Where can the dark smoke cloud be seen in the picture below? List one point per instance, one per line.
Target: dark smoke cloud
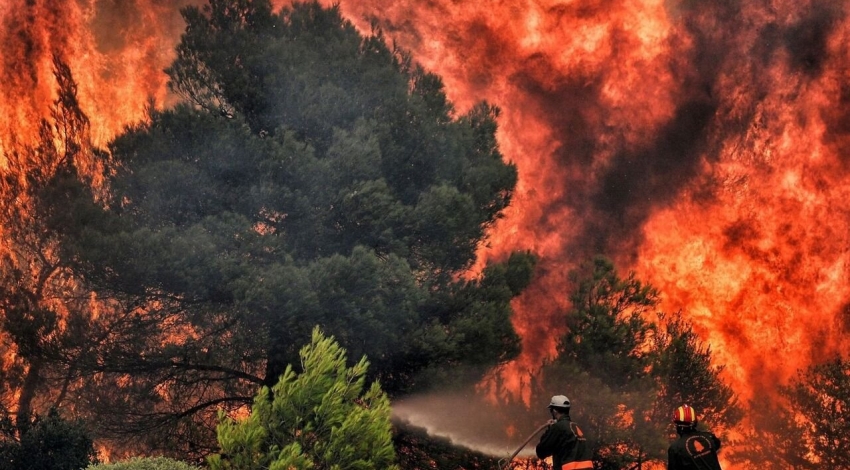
(806, 39)
(635, 182)
(639, 182)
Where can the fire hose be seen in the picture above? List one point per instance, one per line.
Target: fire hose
(504, 462)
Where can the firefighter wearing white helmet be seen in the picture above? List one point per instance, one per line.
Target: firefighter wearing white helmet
(563, 440)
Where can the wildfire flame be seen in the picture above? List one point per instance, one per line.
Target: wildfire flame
(115, 49)
(701, 144)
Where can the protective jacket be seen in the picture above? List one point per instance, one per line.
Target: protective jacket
(694, 450)
(567, 446)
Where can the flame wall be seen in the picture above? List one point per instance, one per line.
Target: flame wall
(116, 49)
(700, 143)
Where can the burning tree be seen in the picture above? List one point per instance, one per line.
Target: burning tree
(806, 426)
(821, 397)
(313, 176)
(626, 366)
(45, 312)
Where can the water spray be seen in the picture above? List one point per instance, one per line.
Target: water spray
(503, 463)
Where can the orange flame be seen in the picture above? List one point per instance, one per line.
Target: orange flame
(698, 143)
(701, 144)
(116, 51)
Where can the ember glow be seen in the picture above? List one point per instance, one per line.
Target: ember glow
(701, 144)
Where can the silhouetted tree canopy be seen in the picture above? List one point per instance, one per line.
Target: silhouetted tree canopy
(313, 176)
(806, 427)
(626, 366)
(48, 442)
(45, 314)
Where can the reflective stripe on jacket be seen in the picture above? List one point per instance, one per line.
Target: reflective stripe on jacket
(583, 465)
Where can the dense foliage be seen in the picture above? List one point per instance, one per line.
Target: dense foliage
(46, 443)
(44, 312)
(324, 417)
(625, 373)
(314, 176)
(144, 463)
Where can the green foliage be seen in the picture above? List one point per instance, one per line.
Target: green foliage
(313, 176)
(686, 374)
(306, 171)
(47, 443)
(627, 366)
(606, 329)
(402, 175)
(144, 463)
(323, 417)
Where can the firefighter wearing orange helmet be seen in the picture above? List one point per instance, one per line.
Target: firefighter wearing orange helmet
(693, 449)
(563, 440)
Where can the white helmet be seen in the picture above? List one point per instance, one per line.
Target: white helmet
(559, 401)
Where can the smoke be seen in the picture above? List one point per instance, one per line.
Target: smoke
(701, 144)
(467, 420)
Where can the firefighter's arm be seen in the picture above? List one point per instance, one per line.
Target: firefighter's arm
(715, 441)
(546, 446)
(671, 460)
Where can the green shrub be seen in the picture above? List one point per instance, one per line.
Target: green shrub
(145, 463)
(46, 443)
(323, 418)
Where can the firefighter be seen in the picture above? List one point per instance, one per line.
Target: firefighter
(693, 449)
(563, 440)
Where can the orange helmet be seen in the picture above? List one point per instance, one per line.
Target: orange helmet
(685, 415)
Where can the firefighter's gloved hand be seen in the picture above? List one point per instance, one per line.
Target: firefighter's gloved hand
(552, 421)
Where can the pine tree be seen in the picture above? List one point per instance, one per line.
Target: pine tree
(626, 365)
(319, 419)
